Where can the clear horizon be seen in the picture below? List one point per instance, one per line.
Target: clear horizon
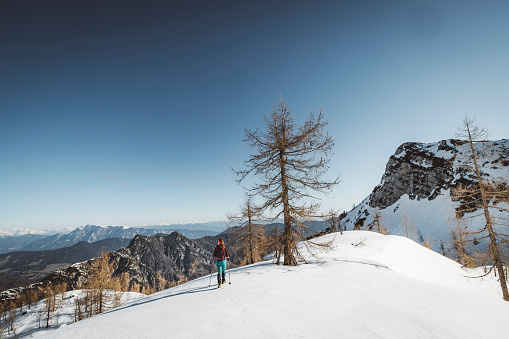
(133, 114)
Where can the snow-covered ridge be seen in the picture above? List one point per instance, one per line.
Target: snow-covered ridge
(214, 226)
(24, 231)
(93, 233)
(368, 286)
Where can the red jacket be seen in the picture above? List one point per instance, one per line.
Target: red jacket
(221, 253)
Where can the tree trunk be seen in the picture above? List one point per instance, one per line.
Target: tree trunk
(101, 301)
(250, 237)
(494, 247)
(287, 233)
(48, 315)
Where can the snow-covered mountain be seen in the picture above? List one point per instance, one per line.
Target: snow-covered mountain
(92, 233)
(417, 184)
(368, 286)
(217, 226)
(15, 232)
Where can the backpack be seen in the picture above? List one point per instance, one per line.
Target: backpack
(219, 253)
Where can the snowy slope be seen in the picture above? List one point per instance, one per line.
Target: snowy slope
(433, 218)
(28, 324)
(385, 287)
(417, 184)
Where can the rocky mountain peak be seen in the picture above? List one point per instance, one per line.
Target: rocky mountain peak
(416, 170)
(417, 184)
(424, 170)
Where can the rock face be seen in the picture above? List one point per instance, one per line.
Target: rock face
(173, 257)
(417, 171)
(420, 174)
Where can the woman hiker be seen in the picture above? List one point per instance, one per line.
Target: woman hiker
(221, 254)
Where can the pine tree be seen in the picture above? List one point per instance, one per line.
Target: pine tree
(290, 163)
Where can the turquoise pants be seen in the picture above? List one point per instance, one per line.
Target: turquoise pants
(221, 269)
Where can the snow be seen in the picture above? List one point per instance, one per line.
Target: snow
(434, 218)
(16, 232)
(368, 286)
(28, 324)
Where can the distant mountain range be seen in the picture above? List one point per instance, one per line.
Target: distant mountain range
(217, 226)
(30, 257)
(172, 256)
(22, 268)
(89, 233)
(15, 232)
(16, 243)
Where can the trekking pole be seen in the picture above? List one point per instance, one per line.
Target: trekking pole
(229, 278)
(210, 280)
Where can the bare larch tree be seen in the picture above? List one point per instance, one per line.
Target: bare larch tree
(407, 225)
(461, 243)
(249, 237)
(290, 163)
(378, 222)
(333, 220)
(484, 194)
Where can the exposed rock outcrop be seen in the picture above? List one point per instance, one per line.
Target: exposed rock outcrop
(420, 172)
(173, 257)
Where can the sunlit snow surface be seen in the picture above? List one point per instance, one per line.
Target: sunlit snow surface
(34, 320)
(385, 287)
(433, 218)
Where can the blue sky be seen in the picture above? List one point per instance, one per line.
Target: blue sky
(132, 112)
